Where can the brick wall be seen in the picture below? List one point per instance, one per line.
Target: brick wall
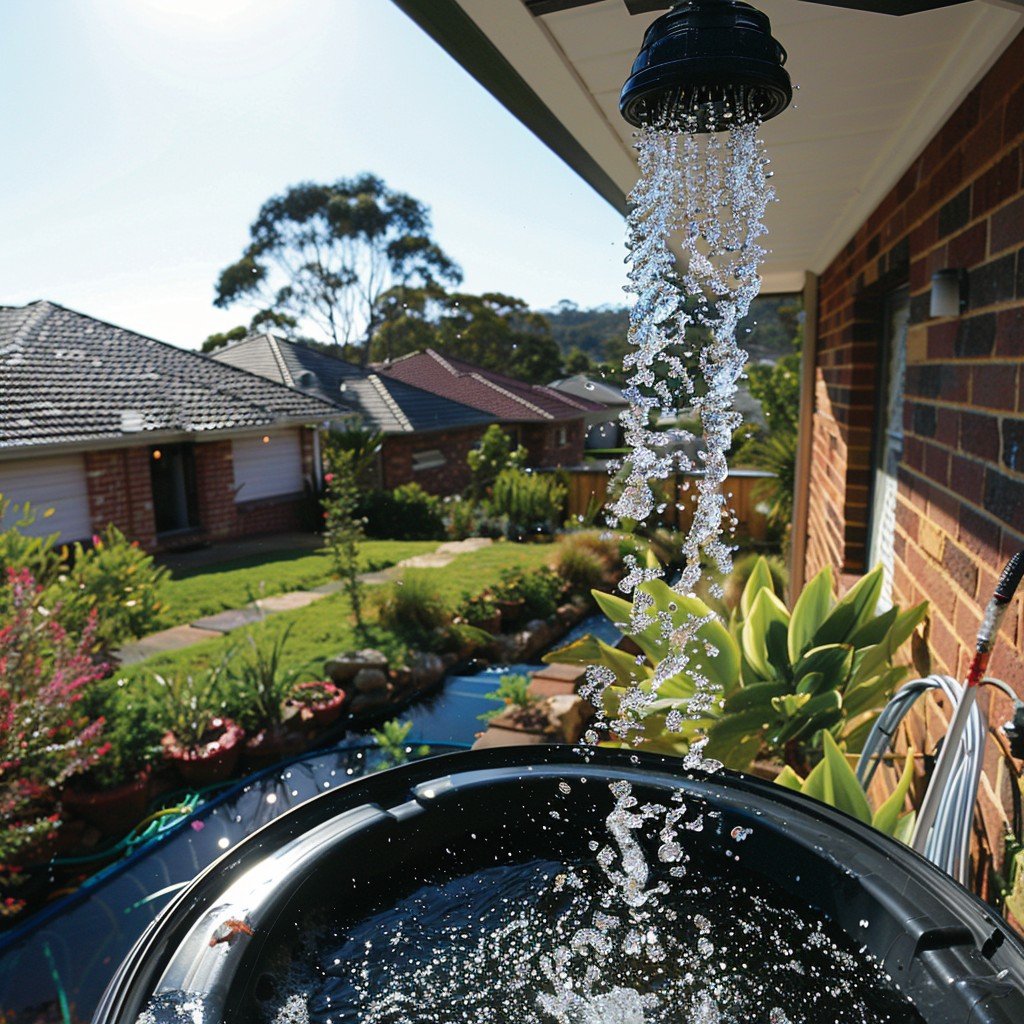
(543, 442)
(451, 478)
(960, 509)
(215, 490)
(273, 515)
(120, 493)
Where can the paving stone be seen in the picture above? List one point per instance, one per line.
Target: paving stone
(224, 622)
(495, 737)
(288, 602)
(543, 686)
(564, 673)
(174, 639)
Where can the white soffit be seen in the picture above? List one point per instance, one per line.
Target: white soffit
(873, 91)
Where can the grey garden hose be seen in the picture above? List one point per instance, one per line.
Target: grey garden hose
(949, 840)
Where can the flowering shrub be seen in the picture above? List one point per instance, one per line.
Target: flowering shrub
(115, 578)
(43, 742)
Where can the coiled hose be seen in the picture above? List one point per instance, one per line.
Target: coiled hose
(949, 842)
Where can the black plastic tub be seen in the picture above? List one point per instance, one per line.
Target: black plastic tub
(368, 844)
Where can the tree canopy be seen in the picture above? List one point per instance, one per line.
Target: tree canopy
(320, 257)
(493, 331)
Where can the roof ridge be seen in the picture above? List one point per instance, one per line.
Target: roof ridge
(44, 311)
(560, 396)
(390, 402)
(279, 359)
(511, 394)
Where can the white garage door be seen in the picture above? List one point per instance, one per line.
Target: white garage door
(57, 483)
(267, 465)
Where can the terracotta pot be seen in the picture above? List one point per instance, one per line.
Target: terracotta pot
(274, 744)
(492, 624)
(115, 810)
(214, 760)
(511, 613)
(318, 714)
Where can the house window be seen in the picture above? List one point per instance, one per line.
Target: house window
(172, 474)
(432, 458)
(888, 442)
(563, 436)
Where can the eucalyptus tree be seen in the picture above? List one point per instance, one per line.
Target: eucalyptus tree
(320, 256)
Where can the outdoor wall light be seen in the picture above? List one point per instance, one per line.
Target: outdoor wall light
(157, 454)
(266, 439)
(949, 293)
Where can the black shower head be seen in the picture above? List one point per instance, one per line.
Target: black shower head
(706, 65)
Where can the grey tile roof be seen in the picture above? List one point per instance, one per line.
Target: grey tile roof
(68, 378)
(385, 404)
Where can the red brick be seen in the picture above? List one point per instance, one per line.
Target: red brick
(996, 184)
(994, 386)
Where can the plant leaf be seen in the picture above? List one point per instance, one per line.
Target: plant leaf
(839, 785)
(833, 661)
(589, 650)
(736, 739)
(869, 661)
(766, 609)
(789, 778)
(852, 611)
(809, 612)
(760, 578)
(887, 816)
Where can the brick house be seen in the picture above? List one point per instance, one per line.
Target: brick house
(103, 425)
(900, 174)
(426, 436)
(550, 424)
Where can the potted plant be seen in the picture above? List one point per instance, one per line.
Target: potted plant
(114, 794)
(481, 611)
(263, 684)
(201, 743)
(316, 705)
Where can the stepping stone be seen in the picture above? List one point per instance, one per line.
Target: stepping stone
(564, 673)
(224, 622)
(173, 639)
(544, 686)
(288, 602)
(325, 589)
(495, 737)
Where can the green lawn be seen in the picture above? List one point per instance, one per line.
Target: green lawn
(206, 591)
(326, 627)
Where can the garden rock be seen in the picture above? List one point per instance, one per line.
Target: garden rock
(366, 703)
(567, 716)
(345, 667)
(370, 681)
(427, 669)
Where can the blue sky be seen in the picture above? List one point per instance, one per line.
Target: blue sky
(141, 136)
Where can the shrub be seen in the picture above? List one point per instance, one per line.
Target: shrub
(532, 502)
(512, 691)
(415, 612)
(131, 730)
(586, 561)
(116, 579)
(190, 702)
(45, 735)
(39, 556)
(461, 517)
(343, 530)
(492, 457)
(478, 610)
(406, 513)
(539, 590)
(261, 678)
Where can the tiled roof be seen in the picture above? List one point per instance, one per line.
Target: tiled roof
(502, 396)
(389, 405)
(68, 378)
(582, 386)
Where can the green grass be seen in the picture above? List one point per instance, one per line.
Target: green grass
(206, 591)
(326, 627)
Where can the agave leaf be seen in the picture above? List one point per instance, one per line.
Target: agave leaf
(856, 608)
(812, 683)
(833, 661)
(758, 696)
(875, 630)
(589, 650)
(871, 660)
(904, 830)
(736, 739)
(789, 778)
(873, 693)
(809, 612)
(834, 782)
(790, 705)
(760, 578)
(766, 609)
(887, 816)
(817, 713)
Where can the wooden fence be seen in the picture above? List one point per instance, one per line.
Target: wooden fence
(588, 488)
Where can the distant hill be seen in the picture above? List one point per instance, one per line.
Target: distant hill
(600, 332)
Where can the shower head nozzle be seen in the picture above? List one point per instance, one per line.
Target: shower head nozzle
(706, 65)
